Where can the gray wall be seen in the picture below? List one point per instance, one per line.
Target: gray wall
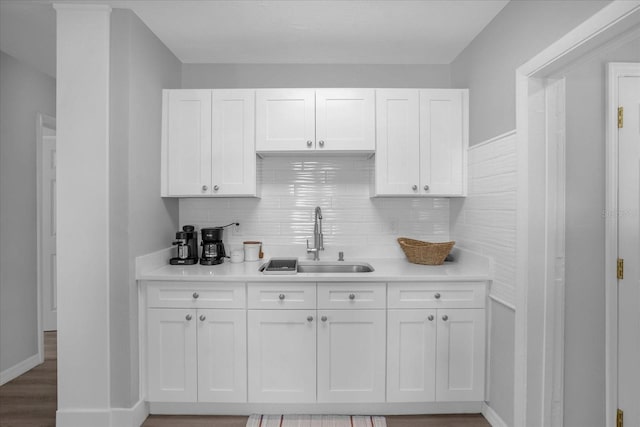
(320, 75)
(24, 92)
(585, 293)
(141, 222)
(487, 66)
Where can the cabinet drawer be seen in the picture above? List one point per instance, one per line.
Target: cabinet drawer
(436, 295)
(281, 296)
(195, 295)
(337, 295)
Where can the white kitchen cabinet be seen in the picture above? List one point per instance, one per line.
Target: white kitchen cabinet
(172, 359)
(435, 351)
(422, 137)
(282, 356)
(351, 355)
(208, 143)
(460, 355)
(196, 342)
(411, 355)
(315, 120)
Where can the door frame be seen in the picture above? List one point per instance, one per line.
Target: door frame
(43, 121)
(538, 379)
(615, 70)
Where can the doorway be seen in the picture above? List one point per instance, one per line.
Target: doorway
(46, 235)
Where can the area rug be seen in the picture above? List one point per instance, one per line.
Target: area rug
(257, 420)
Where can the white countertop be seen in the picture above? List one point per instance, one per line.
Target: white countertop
(467, 267)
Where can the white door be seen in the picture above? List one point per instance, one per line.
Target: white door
(629, 250)
(345, 119)
(460, 355)
(351, 355)
(172, 357)
(188, 142)
(398, 142)
(222, 356)
(411, 355)
(442, 141)
(285, 120)
(282, 356)
(233, 143)
(48, 232)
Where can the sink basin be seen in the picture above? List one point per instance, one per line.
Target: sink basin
(334, 267)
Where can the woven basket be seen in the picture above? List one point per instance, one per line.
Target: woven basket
(427, 253)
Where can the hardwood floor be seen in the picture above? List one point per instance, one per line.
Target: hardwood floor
(31, 400)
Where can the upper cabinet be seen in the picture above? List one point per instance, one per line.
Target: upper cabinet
(208, 143)
(315, 120)
(422, 138)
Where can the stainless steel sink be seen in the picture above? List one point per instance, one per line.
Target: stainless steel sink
(334, 267)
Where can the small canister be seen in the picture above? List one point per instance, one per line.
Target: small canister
(252, 250)
(237, 255)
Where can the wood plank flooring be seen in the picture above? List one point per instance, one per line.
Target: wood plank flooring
(31, 400)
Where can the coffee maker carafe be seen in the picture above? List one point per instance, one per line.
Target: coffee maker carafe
(186, 246)
(212, 247)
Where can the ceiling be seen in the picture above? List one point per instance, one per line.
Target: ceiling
(274, 31)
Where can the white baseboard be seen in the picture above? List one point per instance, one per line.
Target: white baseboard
(492, 416)
(130, 417)
(19, 369)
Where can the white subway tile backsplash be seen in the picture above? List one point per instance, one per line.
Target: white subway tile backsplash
(290, 190)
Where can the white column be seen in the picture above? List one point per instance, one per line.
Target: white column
(83, 214)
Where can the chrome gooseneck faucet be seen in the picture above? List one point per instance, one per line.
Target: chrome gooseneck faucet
(318, 244)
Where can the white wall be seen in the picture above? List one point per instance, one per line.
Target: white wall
(24, 93)
(195, 76)
(292, 187)
(487, 66)
(585, 189)
(140, 221)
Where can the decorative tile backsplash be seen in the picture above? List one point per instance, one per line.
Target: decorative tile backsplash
(291, 188)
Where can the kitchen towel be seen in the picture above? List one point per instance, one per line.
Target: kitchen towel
(256, 420)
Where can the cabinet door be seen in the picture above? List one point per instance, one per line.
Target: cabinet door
(351, 356)
(186, 163)
(282, 356)
(460, 355)
(411, 356)
(233, 146)
(285, 119)
(172, 359)
(345, 119)
(398, 142)
(442, 141)
(222, 356)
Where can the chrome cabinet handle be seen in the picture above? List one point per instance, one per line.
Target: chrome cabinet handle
(437, 296)
(430, 318)
(216, 188)
(321, 143)
(352, 296)
(426, 188)
(414, 187)
(205, 188)
(309, 318)
(196, 295)
(445, 317)
(203, 317)
(323, 318)
(309, 143)
(281, 296)
(188, 317)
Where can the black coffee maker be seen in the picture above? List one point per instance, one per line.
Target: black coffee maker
(212, 247)
(186, 246)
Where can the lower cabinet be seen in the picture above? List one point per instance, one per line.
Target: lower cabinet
(196, 355)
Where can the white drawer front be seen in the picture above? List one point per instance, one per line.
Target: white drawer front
(436, 295)
(341, 295)
(196, 295)
(281, 296)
